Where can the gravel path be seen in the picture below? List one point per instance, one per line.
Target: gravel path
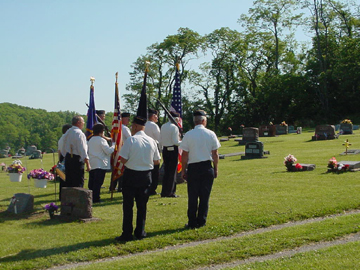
(285, 253)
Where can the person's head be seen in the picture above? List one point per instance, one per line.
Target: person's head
(153, 115)
(98, 130)
(65, 128)
(138, 124)
(101, 114)
(78, 121)
(125, 118)
(199, 117)
(175, 115)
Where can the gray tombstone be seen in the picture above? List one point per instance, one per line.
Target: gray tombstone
(291, 129)
(250, 134)
(20, 203)
(254, 150)
(76, 203)
(353, 165)
(324, 132)
(281, 130)
(346, 128)
(30, 149)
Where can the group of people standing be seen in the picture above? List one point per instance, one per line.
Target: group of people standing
(140, 154)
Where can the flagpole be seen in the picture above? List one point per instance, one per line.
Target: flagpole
(113, 140)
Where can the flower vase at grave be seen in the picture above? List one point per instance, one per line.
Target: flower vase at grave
(15, 177)
(51, 214)
(40, 183)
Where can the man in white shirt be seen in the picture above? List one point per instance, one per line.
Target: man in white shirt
(153, 130)
(75, 149)
(139, 154)
(61, 155)
(99, 157)
(200, 149)
(170, 140)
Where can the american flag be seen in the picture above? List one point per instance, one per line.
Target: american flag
(176, 106)
(91, 119)
(116, 135)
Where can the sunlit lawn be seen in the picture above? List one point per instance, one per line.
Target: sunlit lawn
(248, 194)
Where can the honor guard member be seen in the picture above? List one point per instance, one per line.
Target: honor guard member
(125, 133)
(75, 149)
(99, 157)
(101, 119)
(170, 140)
(139, 154)
(153, 130)
(200, 151)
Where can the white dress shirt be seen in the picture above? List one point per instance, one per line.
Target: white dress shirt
(125, 132)
(152, 130)
(75, 143)
(99, 153)
(169, 135)
(140, 151)
(61, 144)
(199, 142)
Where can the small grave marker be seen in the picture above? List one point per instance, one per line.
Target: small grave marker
(254, 150)
(347, 145)
(20, 203)
(324, 132)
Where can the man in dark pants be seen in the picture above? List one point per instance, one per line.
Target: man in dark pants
(139, 154)
(170, 140)
(62, 156)
(200, 149)
(75, 149)
(153, 130)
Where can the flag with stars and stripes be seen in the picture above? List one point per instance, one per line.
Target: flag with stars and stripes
(176, 106)
(116, 135)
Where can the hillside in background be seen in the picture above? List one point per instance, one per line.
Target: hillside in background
(23, 126)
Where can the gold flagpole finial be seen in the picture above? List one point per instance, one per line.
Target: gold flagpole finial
(92, 80)
(116, 76)
(147, 63)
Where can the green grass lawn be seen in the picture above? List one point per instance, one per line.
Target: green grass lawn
(248, 194)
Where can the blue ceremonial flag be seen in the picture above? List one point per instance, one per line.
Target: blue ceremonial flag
(142, 109)
(91, 119)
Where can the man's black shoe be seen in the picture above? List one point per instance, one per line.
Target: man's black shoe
(122, 238)
(189, 227)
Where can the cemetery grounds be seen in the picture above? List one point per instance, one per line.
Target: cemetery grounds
(260, 217)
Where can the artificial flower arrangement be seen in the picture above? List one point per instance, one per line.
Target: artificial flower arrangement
(289, 162)
(40, 174)
(334, 166)
(16, 167)
(283, 123)
(346, 121)
(51, 208)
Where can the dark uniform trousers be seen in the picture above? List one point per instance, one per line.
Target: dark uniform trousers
(154, 179)
(199, 183)
(74, 171)
(135, 187)
(96, 180)
(170, 163)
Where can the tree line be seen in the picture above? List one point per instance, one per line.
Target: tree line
(262, 74)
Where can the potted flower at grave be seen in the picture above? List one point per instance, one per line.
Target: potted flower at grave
(346, 126)
(51, 208)
(15, 170)
(334, 166)
(40, 177)
(289, 162)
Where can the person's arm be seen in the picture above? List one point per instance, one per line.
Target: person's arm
(123, 160)
(215, 157)
(106, 148)
(175, 136)
(156, 162)
(88, 168)
(184, 163)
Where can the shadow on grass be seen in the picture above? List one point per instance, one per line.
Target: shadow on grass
(31, 254)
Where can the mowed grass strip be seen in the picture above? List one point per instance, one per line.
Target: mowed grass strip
(248, 194)
(225, 251)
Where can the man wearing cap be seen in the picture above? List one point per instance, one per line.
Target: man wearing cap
(75, 149)
(125, 133)
(170, 140)
(99, 156)
(139, 154)
(153, 130)
(200, 151)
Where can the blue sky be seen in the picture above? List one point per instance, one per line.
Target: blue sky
(50, 49)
